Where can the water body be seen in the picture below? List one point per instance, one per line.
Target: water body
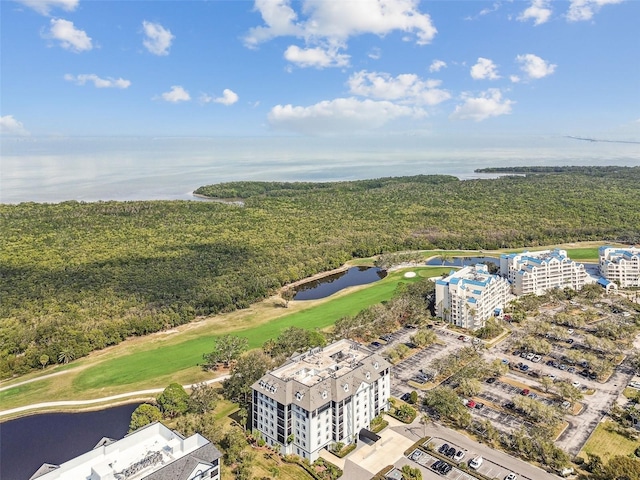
(26, 443)
(55, 169)
(325, 286)
(463, 261)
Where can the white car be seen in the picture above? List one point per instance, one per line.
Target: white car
(458, 456)
(570, 331)
(511, 476)
(530, 356)
(536, 358)
(476, 462)
(576, 384)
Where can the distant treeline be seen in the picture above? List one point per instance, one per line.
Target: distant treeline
(611, 171)
(76, 277)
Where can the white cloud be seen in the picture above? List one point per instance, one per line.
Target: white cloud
(329, 24)
(405, 88)
(514, 78)
(489, 104)
(375, 53)
(157, 38)
(97, 81)
(45, 6)
(341, 115)
(316, 57)
(176, 94)
(69, 36)
(11, 126)
(437, 65)
(534, 66)
(484, 69)
(229, 97)
(581, 10)
(539, 12)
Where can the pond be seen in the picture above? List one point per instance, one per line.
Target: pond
(325, 286)
(463, 261)
(26, 443)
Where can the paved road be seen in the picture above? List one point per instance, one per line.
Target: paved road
(93, 401)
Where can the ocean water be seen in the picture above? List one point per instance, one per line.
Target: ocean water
(37, 169)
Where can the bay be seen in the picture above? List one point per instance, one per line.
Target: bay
(56, 169)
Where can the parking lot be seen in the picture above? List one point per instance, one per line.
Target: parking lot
(487, 468)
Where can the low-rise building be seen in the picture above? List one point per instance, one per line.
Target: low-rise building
(620, 265)
(320, 397)
(539, 272)
(153, 452)
(470, 296)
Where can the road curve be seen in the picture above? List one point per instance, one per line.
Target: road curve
(93, 401)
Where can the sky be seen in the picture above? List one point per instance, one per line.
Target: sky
(364, 68)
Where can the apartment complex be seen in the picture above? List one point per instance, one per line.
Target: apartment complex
(620, 265)
(326, 395)
(539, 272)
(469, 297)
(153, 452)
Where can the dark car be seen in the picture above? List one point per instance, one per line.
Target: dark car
(446, 468)
(510, 405)
(437, 464)
(491, 380)
(479, 406)
(451, 452)
(405, 397)
(443, 448)
(376, 344)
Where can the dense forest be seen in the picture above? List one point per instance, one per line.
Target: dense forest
(76, 277)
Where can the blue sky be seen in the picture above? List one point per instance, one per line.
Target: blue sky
(320, 67)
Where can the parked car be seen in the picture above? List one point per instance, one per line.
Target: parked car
(376, 344)
(451, 452)
(446, 468)
(443, 448)
(479, 405)
(436, 465)
(536, 358)
(459, 456)
(471, 404)
(476, 462)
(525, 391)
(491, 380)
(530, 356)
(405, 397)
(511, 476)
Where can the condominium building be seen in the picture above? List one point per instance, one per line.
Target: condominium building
(326, 395)
(469, 297)
(620, 265)
(539, 272)
(153, 452)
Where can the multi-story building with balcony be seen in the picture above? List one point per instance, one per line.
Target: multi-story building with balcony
(469, 297)
(153, 452)
(539, 272)
(326, 395)
(620, 265)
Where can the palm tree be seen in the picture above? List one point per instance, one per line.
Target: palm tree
(65, 356)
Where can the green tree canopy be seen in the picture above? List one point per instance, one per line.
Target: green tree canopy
(144, 415)
(226, 349)
(173, 401)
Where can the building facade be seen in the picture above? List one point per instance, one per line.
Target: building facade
(321, 397)
(469, 297)
(620, 265)
(153, 452)
(539, 272)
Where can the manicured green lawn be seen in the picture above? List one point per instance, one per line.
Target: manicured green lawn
(606, 443)
(147, 365)
(583, 254)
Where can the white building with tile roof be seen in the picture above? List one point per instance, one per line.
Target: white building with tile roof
(470, 296)
(620, 265)
(326, 395)
(153, 452)
(539, 272)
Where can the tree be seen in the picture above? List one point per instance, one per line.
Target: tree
(619, 468)
(546, 383)
(446, 403)
(44, 359)
(65, 356)
(203, 398)
(411, 473)
(144, 415)
(246, 371)
(413, 397)
(173, 401)
(295, 339)
(233, 445)
(469, 387)
(226, 349)
(287, 295)
(424, 337)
